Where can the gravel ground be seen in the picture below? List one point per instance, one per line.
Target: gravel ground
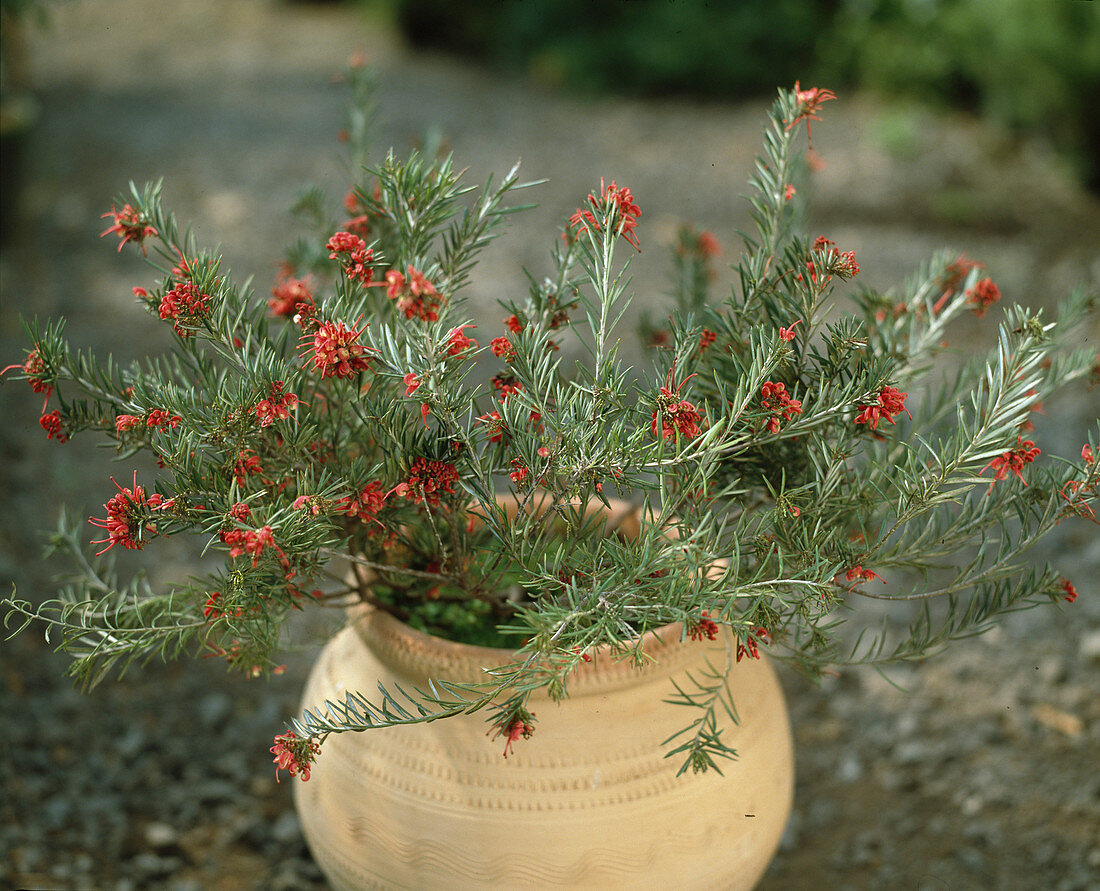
(977, 769)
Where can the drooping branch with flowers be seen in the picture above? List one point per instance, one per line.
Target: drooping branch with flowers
(784, 459)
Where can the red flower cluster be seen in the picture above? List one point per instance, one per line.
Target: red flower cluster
(352, 251)
(749, 647)
(33, 368)
(503, 348)
(494, 425)
(625, 213)
(246, 465)
(428, 481)
(457, 342)
(704, 627)
(513, 727)
(336, 349)
(416, 296)
(290, 294)
(891, 402)
(513, 324)
(706, 339)
(1013, 460)
(774, 398)
(506, 386)
(277, 406)
(858, 575)
(127, 516)
(129, 225)
(675, 415)
(366, 504)
(836, 263)
(53, 424)
(953, 275)
(982, 296)
(252, 542)
(186, 306)
(294, 755)
(519, 473)
(1070, 592)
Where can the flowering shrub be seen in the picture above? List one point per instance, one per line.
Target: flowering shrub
(780, 454)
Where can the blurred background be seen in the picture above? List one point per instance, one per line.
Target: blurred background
(967, 124)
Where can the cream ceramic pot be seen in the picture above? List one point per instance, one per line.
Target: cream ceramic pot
(588, 801)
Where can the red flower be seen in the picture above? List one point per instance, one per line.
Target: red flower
(704, 627)
(459, 342)
(1013, 460)
(1070, 591)
(624, 214)
(186, 306)
(677, 416)
(336, 349)
(127, 516)
(513, 324)
(982, 296)
(289, 294)
(788, 333)
(1086, 454)
(706, 339)
(126, 422)
(789, 192)
(707, 244)
(502, 347)
(366, 504)
(412, 382)
(240, 511)
(506, 386)
(494, 425)
(33, 368)
(519, 473)
(774, 398)
(158, 417)
(809, 103)
(413, 294)
(512, 727)
(891, 402)
(294, 755)
(53, 424)
(277, 407)
(352, 251)
(858, 575)
(428, 481)
(129, 225)
(247, 464)
(749, 646)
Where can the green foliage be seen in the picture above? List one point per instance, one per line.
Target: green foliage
(772, 469)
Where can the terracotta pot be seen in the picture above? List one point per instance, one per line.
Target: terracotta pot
(589, 800)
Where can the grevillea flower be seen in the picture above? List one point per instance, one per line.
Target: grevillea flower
(1070, 592)
(891, 402)
(127, 517)
(337, 351)
(953, 275)
(789, 192)
(412, 383)
(428, 481)
(352, 251)
(513, 324)
(706, 339)
(774, 398)
(748, 647)
(624, 217)
(809, 103)
(129, 225)
(676, 416)
(788, 333)
(294, 755)
(246, 465)
(54, 426)
(457, 342)
(240, 511)
(288, 293)
(503, 348)
(416, 297)
(366, 505)
(519, 473)
(34, 368)
(858, 575)
(277, 406)
(982, 296)
(186, 305)
(126, 422)
(494, 426)
(515, 724)
(704, 627)
(1013, 460)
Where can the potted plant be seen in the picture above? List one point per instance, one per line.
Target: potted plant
(546, 554)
